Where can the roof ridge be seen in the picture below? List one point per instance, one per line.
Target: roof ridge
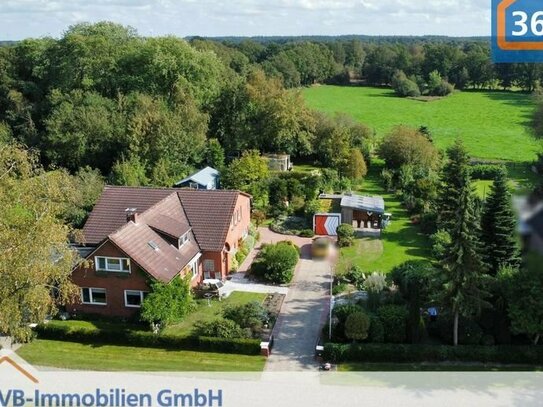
(141, 214)
(139, 187)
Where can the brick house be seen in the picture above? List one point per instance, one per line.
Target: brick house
(135, 236)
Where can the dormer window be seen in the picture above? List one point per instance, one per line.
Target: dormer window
(112, 264)
(183, 240)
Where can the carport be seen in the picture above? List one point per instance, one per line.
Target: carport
(363, 212)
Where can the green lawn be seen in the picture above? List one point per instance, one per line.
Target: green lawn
(400, 242)
(71, 355)
(205, 312)
(493, 125)
(482, 188)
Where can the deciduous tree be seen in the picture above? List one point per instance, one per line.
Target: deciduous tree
(36, 260)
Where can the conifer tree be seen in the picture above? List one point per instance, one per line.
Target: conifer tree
(462, 279)
(501, 248)
(452, 184)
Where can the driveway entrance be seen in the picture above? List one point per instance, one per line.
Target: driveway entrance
(302, 316)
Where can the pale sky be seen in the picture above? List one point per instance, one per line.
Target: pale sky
(37, 18)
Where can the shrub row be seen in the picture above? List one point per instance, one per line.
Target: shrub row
(401, 353)
(238, 346)
(485, 171)
(147, 339)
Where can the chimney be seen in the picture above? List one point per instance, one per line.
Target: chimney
(131, 215)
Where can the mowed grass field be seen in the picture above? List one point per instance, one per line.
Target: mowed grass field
(400, 241)
(494, 125)
(70, 355)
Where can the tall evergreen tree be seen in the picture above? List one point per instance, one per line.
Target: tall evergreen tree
(461, 283)
(499, 227)
(453, 182)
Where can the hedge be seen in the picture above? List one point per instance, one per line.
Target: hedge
(403, 353)
(485, 171)
(147, 339)
(238, 346)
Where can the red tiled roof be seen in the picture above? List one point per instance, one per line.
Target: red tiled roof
(109, 214)
(167, 216)
(209, 213)
(206, 215)
(154, 254)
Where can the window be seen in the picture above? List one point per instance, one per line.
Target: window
(133, 298)
(94, 296)
(115, 264)
(209, 265)
(183, 239)
(194, 268)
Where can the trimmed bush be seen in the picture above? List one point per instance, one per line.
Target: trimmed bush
(345, 235)
(394, 320)
(403, 353)
(357, 326)
(376, 333)
(276, 262)
(237, 346)
(341, 312)
(306, 233)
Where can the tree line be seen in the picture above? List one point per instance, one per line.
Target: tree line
(464, 63)
(147, 111)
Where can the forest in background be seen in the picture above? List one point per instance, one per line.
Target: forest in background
(105, 101)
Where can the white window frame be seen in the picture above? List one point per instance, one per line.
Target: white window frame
(111, 270)
(91, 296)
(193, 265)
(134, 292)
(183, 240)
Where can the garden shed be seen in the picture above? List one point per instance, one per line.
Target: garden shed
(278, 162)
(363, 212)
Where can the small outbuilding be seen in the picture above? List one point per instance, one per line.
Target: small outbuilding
(363, 212)
(278, 162)
(208, 178)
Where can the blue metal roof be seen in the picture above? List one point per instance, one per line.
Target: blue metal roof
(203, 177)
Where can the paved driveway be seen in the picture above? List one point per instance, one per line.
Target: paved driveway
(304, 311)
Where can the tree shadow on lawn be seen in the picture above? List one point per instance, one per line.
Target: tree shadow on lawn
(521, 173)
(517, 100)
